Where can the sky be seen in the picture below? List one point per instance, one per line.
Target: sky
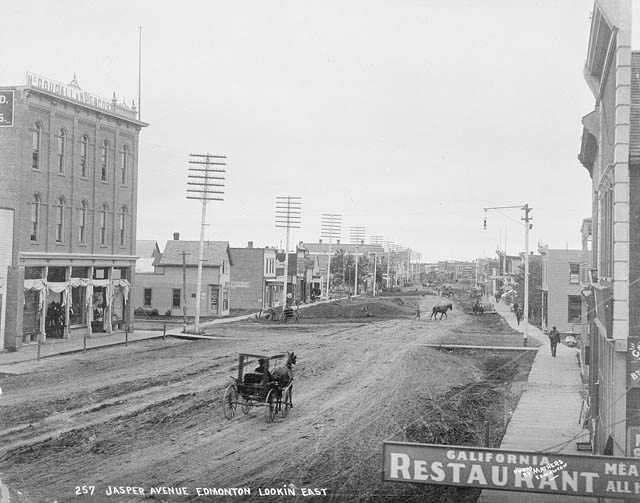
(405, 117)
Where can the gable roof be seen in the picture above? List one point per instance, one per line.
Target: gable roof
(214, 253)
(146, 248)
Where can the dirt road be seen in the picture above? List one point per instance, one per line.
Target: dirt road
(149, 416)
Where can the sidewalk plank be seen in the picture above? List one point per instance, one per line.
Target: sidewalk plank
(547, 416)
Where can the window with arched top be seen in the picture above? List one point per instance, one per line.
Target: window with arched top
(123, 225)
(59, 219)
(124, 164)
(35, 218)
(82, 222)
(102, 217)
(104, 158)
(84, 155)
(62, 147)
(36, 146)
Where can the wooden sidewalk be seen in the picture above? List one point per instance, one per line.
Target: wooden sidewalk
(547, 416)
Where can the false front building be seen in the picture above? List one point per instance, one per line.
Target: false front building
(68, 201)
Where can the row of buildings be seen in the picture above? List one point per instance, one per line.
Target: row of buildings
(252, 278)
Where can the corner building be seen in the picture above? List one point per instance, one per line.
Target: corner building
(68, 205)
(610, 153)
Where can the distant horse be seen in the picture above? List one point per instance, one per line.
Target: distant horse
(284, 375)
(442, 310)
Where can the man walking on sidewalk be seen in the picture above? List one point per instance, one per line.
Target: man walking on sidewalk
(554, 337)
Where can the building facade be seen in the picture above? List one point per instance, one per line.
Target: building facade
(254, 284)
(172, 286)
(68, 204)
(561, 290)
(609, 148)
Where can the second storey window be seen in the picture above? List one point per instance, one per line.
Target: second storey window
(59, 209)
(124, 161)
(37, 143)
(82, 223)
(606, 232)
(84, 154)
(103, 225)
(104, 158)
(35, 218)
(574, 273)
(62, 145)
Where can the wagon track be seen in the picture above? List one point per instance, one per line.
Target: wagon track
(159, 421)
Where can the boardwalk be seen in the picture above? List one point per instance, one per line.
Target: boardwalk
(547, 416)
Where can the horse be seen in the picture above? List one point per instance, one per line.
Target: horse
(442, 310)
(283, 375)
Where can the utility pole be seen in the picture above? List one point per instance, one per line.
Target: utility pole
(377, 241)
(184, 291)
(527, 227)
(204, 177)
(357, 237)
(331, 227)
(390, 247)
(288, 213)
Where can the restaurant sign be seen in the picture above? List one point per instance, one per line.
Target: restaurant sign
(534, 472)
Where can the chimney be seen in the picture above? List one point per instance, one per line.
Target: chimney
(250, 244)
(176, 236)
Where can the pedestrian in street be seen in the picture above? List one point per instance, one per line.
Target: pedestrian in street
(417, 312)
(554, 338)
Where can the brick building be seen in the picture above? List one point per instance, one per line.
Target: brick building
(610, 151)
(68, 203)
(254, 284)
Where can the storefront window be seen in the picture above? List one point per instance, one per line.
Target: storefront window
(78, 311)
(117, 305)
(33, 272)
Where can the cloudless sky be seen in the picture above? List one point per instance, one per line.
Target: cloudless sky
(406, 117)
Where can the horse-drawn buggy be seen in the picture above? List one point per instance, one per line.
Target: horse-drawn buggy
(478, 307)
(263, 387)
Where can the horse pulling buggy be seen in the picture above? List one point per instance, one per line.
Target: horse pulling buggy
(271, 389)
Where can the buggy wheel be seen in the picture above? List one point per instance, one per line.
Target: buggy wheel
(230, 401)
(285, 405)
(270, 406)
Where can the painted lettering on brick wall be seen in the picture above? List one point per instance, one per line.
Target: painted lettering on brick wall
(6, 108)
